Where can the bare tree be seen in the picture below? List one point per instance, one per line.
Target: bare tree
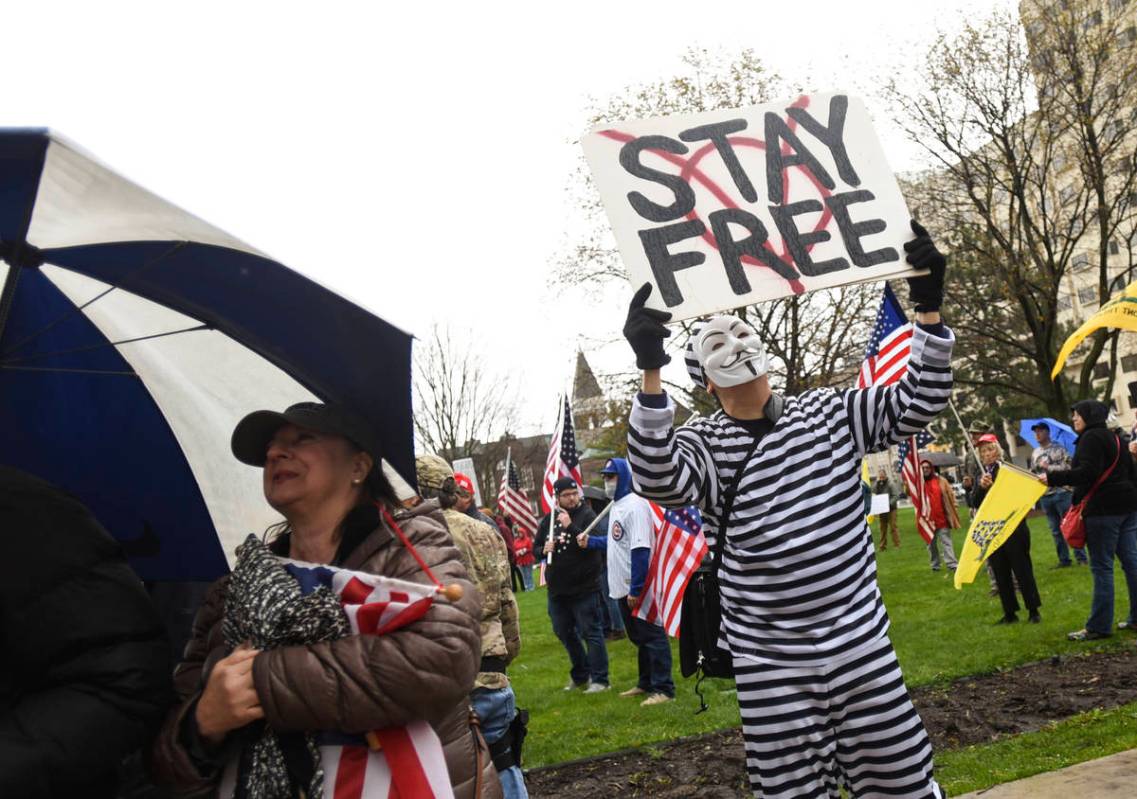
(1024, 182)
(461, 404)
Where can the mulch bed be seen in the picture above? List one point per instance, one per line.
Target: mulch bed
(973, 710)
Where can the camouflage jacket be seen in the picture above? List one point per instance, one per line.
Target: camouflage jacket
(487, 560)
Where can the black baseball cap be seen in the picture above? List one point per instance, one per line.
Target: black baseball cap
(564, 484)
(253, 433)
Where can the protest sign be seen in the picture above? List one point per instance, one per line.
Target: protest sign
(879, 505)
(466, 467)
(732, 207)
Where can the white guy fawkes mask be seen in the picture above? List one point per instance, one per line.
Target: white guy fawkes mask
(730, 352)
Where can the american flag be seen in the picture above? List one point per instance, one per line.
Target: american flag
(563, 460)
(397, 761)
(679, 549)
(511, 499)
(886, 356)
(913, 477)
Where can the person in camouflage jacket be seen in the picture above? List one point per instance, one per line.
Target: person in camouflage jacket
(487, 560)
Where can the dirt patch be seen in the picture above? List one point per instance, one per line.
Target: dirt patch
(971, 711)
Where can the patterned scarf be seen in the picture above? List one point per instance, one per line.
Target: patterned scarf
(265, 608)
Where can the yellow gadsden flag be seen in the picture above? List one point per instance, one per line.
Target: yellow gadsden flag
(1120, 311)
(1011, 496)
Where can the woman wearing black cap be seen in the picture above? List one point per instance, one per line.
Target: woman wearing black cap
(1102, 470)
(322, 473)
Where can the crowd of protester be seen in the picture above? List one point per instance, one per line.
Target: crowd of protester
(274, 675)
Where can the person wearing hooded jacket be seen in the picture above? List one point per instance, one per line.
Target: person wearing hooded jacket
(629, 542)
(1110, 514)
(85, 677)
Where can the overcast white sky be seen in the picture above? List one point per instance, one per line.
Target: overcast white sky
(413, 156)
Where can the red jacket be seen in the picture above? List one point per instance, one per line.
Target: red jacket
(523, 547)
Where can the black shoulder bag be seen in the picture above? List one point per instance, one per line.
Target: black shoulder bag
(701, 614)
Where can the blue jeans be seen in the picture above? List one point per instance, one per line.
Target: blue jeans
(526, 576)
(613, 621)
(575, 617)
(1105, 537)
(654, 651)
(496, 709)
(1055, 505)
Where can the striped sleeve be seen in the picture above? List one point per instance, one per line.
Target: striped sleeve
(670, 467)
(882, 415)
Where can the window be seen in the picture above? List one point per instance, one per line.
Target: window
(1128, 36)
(1113, 248)
(1101, 371)
(1064, 302)
(1059, 162)
(1091, 20)
(1129, 363)
(1122, 165)
(1132, 200)
(1117, 5)
(1088, 295)
(1066, 195)
(1080, 260)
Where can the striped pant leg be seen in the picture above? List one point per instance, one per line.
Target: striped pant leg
(882, 746)
(790, 747)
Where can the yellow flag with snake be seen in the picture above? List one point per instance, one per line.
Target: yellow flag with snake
(1011, 497)
(1120, 311)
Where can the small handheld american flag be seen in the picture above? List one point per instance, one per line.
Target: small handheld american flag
(678, 550)
(394, 762)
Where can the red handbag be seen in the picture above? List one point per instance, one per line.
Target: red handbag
(1073, 526)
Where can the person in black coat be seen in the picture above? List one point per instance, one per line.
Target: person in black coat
(1110, 514)
(573, 580)
(1013, 556)
(85, 672)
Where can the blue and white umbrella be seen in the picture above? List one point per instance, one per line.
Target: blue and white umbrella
(1060, 433)
(133, 337)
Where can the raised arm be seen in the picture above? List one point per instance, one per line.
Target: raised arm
(883, 415)
(670, 467)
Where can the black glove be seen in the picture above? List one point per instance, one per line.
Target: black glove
(927, 291)
(644, 330)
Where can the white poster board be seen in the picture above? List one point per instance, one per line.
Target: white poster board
(466, 467)
(728, 208)
(879, 505)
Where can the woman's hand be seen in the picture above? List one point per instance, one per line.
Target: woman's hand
(230, 699)
(1044, 479)
(985, 481)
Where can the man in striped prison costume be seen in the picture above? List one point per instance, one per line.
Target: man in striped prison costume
(822, 698)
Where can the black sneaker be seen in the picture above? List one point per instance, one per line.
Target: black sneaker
(1034, 617)
(1012, 619)
(1065, 565)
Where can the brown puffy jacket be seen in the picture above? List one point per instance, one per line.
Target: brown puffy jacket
(363, 682)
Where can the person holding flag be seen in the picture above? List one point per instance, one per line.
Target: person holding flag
(821, 695)
(629, 543)
(251, 720)
(1013, 555)
(573, 579)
